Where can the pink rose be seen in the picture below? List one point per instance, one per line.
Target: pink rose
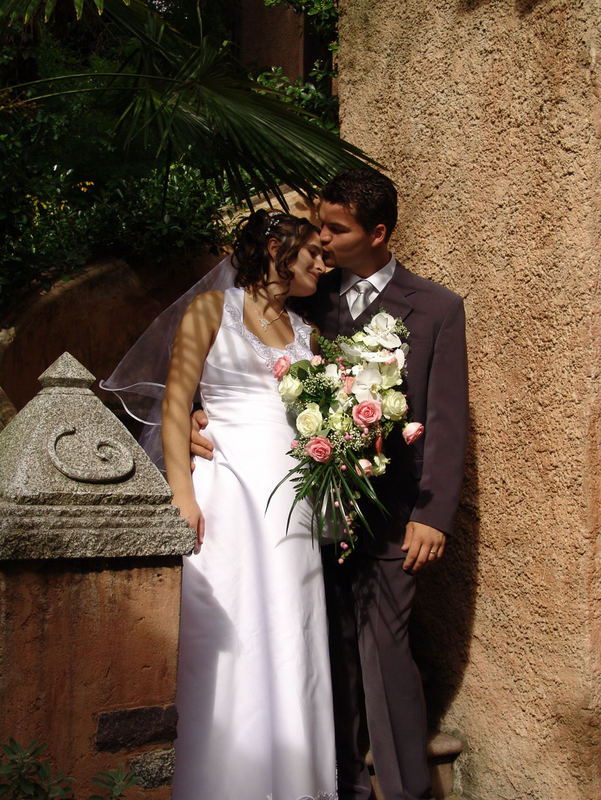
(316, 361)
(348, 384)
(367, 413)
(281, 367)
(412, 431)
(319, 448)
(293, 444)
(367, 468)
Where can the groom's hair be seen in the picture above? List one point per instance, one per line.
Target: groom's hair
(370, 196)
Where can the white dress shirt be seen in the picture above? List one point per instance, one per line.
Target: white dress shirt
(378, 280)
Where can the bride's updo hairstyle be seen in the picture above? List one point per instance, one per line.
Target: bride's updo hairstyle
(251, 258)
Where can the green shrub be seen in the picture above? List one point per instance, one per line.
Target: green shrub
(313, 95)
(24, 775)
(68, 191)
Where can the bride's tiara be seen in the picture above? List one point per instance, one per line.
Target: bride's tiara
(274, 221)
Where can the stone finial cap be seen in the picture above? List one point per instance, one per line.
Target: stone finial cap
(74, 483)
(66, 371)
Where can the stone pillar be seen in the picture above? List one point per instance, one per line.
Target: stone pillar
(488, 117)
(90, 576)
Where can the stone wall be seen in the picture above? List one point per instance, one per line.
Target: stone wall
(488, 117)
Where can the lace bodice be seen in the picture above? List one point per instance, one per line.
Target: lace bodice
(233, 311)
(238, 373)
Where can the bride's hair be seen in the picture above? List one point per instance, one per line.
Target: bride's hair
(251, 257)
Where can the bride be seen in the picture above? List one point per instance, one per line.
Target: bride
(254, 695)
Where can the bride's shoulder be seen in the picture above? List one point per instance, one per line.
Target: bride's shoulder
(204, 312)
(206, 303)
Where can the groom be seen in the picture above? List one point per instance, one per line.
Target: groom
(378, 698)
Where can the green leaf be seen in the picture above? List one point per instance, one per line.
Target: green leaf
(48, 9)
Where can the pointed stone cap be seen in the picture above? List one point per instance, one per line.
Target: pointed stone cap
(74, 483)
(66, 371)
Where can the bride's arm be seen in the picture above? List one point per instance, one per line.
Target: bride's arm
(193, 341)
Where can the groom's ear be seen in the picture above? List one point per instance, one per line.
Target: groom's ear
(378, 235)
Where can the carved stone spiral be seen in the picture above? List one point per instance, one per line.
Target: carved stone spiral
(113, 463)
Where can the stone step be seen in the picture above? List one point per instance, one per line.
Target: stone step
(443, 749)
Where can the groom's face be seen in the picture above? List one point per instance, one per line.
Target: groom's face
(345, 242)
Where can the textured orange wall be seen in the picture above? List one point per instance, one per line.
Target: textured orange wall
(488, 117)
(84, 637)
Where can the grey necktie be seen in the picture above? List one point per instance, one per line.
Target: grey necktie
(363, 291)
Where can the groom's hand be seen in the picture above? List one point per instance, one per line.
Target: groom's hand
(199, 444)
(423, 545)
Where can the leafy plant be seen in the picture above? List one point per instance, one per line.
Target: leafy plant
(313, 95)
(24, 775)
(121, 135)
(114, 782)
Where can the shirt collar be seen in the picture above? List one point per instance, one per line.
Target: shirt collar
(378, 280)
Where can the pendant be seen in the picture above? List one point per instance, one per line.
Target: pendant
(264, 323)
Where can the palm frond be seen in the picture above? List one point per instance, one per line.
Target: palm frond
(193, 101)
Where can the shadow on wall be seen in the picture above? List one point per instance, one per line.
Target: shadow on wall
(443, 614)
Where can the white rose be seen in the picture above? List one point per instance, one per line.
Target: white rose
(391, 375)
(379, 464)
(309, 421)
(340, 422)
(394, 405)
(381, 332)
(376, 356)
(290, 388)
(352, 352)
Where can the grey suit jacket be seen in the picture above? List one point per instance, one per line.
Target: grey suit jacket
(423, 480)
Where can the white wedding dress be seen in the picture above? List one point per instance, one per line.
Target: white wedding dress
(254, 695)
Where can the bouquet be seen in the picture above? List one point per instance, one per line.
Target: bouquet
(347, 401)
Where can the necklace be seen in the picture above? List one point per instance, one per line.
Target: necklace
(265, 323)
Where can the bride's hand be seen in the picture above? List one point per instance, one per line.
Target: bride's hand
(199, 444)
(190, 511)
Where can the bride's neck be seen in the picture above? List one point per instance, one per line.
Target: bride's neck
(268, 297)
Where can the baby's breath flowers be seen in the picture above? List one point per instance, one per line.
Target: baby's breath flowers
(346, 400)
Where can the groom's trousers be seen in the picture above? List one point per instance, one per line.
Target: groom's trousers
(378, 695)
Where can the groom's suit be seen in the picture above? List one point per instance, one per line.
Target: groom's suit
(370, 596)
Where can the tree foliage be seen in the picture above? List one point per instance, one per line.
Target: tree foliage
(191, 98)
(118, 133)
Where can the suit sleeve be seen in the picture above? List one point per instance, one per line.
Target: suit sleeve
(445, 425)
